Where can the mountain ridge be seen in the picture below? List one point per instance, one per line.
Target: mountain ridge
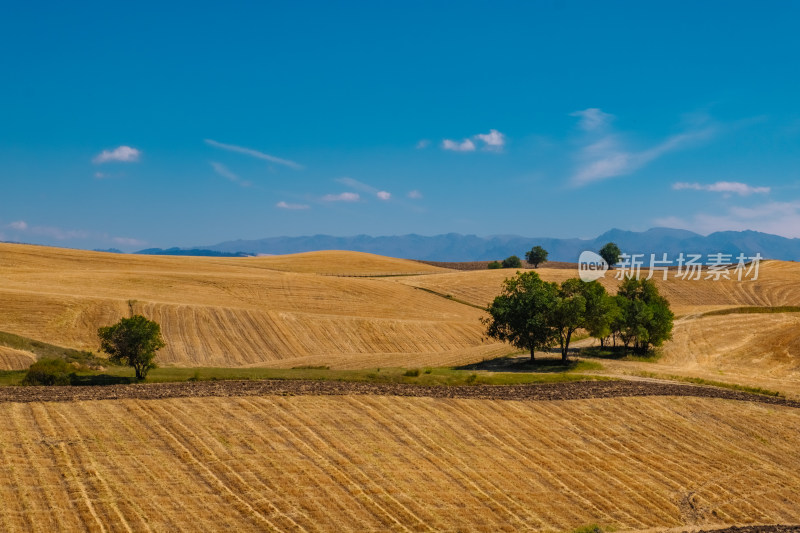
(470, 247)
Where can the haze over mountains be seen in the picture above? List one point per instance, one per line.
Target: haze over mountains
(458, 247)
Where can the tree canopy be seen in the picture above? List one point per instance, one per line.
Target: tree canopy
(520, 315)
(134, 342)
(512, 261)
(536, 256)
(610, 254)
(533, 314)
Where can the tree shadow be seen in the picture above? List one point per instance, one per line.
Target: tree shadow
(545, 363)
(100, 379)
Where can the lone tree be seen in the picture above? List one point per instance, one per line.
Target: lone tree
(132, 341)
(521, 313)
(536, 256)
(610, 253)
(512, 261)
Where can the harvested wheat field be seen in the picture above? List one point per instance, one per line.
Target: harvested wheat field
(751, 349)
(778, 284)
(241, 311)
(378, 463)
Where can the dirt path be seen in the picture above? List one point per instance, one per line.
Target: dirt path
(535, 392)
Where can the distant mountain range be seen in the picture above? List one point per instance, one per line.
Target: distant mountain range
(457, 247)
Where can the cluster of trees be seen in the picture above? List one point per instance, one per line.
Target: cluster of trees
(538, 255)
(533, 314)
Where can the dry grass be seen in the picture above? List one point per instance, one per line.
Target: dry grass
(13, 359)
(778, 284)
(241, 311)
(761, 350)
(361, 463)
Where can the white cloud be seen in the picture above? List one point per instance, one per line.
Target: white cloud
(415, 194)
(731, 187)
(423, 143)
(254, 153)
(127, 241)
(48, 231)
(604, 156)
(124, 154)
(286, 205)
(464, 146)
(494, 140)
(778, 218)
(223, 171)
(342, 197)
(592, 119)
(364, 187)
(100, 175)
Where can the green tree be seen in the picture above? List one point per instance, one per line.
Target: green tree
(569, 312)
(134, 342)
(495, 265)
(601, 311)
(512, 261)
(646, 319)
(521, 314)
(610, 253)
(536, 256)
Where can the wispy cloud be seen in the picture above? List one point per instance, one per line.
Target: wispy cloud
(423, 143)
(223, 171)
(123, 154)
(365, 188)
(286, 205)
(414, 195)
(128, 241)
(728, 187)
(603, 155)
(494, 141)
(464, 146)
(342, 197)
(592, 119)
(59, 234)
(254, 153)
(778, 218)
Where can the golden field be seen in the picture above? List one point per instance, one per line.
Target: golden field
(372, 463)
(320, 309)
(383, 463)
(240, 312)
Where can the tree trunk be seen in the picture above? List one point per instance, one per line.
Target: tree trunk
(565, 347)
(533, 358)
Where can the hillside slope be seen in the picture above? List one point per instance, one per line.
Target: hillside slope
(240, 311)
(382, 463)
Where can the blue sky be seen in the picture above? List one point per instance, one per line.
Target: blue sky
(132, 125)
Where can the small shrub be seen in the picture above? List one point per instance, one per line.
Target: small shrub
(494, 265)
(49, 372)
(412, 373)
(428, 370)
(472, 378)
(512, 261)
